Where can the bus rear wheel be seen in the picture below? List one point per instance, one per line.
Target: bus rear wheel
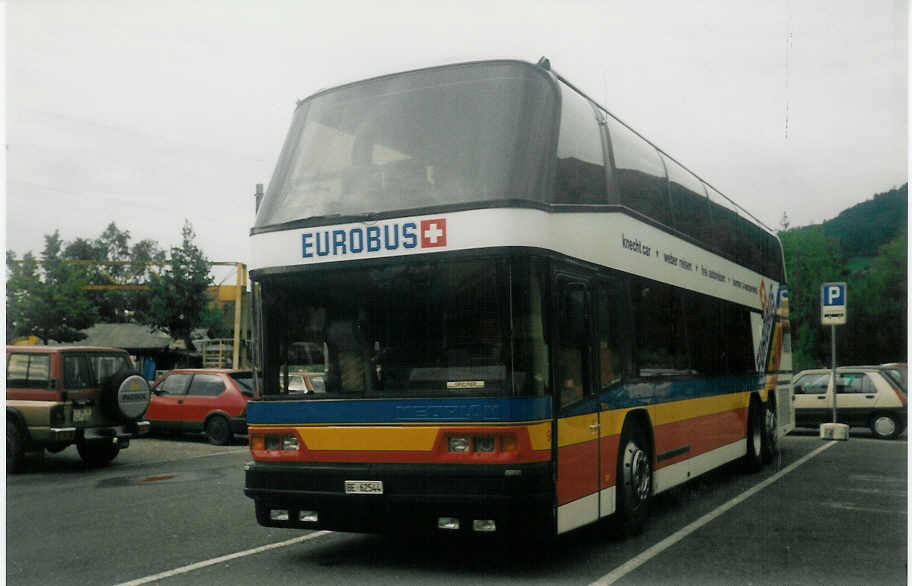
(770, 439)
(753, 459)
(634, 480)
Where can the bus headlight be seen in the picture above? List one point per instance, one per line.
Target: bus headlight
(458, 443)
(290, 442)
(484, 443)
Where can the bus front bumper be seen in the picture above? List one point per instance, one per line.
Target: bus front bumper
(415, 498)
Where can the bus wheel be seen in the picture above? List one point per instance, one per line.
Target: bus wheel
(770, 439)
(634, 475)
(753, 460)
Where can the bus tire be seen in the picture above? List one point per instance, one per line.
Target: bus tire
(753, 459)
(634, 479)
(770, 437)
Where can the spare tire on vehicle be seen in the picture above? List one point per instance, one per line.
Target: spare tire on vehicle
(126, 395)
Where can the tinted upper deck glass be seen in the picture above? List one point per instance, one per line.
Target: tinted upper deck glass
(457, 134)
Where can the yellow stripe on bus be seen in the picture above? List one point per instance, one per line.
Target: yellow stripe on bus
(676, 411)
(416, 438)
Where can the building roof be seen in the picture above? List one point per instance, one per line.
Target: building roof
(126, 336)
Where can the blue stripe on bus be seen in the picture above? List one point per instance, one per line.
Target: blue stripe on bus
(454, 410)
(647, 392)
(448, 410)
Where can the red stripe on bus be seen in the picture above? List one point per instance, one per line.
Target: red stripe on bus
(576, 471)
(700, 434)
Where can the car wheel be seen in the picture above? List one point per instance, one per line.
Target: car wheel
(634, 478)
(884, 426)
(218, 430)
(770, 439)
(753, 459)
(15, 447)
(97, 453)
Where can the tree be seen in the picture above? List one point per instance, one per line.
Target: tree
(875, 329)
(178, 299)
(136, 266)
(811, 259)
(47, 299)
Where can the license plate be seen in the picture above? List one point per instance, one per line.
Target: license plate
(363, 487)
(82, 414)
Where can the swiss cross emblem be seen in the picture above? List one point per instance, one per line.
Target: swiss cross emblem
(433, 233)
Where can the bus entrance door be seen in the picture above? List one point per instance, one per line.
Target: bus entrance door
(578, 417)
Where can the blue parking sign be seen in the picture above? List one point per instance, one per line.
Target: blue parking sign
(833, 304)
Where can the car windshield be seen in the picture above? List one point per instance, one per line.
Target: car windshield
(406, 328)
(450, 135)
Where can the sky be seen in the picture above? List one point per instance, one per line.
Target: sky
(147, 113)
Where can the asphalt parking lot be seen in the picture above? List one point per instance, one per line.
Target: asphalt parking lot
(825, 513)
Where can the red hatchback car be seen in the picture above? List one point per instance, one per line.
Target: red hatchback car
(213, 400)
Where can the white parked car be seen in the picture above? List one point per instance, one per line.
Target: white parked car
(866, 396)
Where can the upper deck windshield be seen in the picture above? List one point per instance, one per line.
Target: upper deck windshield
(449, 135)
(427, 329)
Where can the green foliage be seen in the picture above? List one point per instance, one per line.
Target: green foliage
(178, 299)
(865, 246)
(811, 258)
(47, 300)
(875, 330)
(113, 246)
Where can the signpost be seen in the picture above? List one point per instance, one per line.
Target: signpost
(833, 313)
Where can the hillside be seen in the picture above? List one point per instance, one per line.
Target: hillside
(863, 228)
(866, 246)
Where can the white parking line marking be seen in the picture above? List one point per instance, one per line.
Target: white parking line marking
(224, 558)
(674, 538)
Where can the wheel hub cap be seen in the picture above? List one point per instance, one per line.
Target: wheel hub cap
(637, 470)
(884, 426)
(771, 428)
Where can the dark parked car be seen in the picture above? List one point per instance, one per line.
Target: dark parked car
(62, 395)
(212, 400)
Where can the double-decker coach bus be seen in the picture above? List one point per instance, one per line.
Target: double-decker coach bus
(516, 313)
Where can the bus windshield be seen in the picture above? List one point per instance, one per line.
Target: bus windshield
(427, 329)
(451, 135)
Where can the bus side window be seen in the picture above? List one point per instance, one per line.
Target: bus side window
(580, 176)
